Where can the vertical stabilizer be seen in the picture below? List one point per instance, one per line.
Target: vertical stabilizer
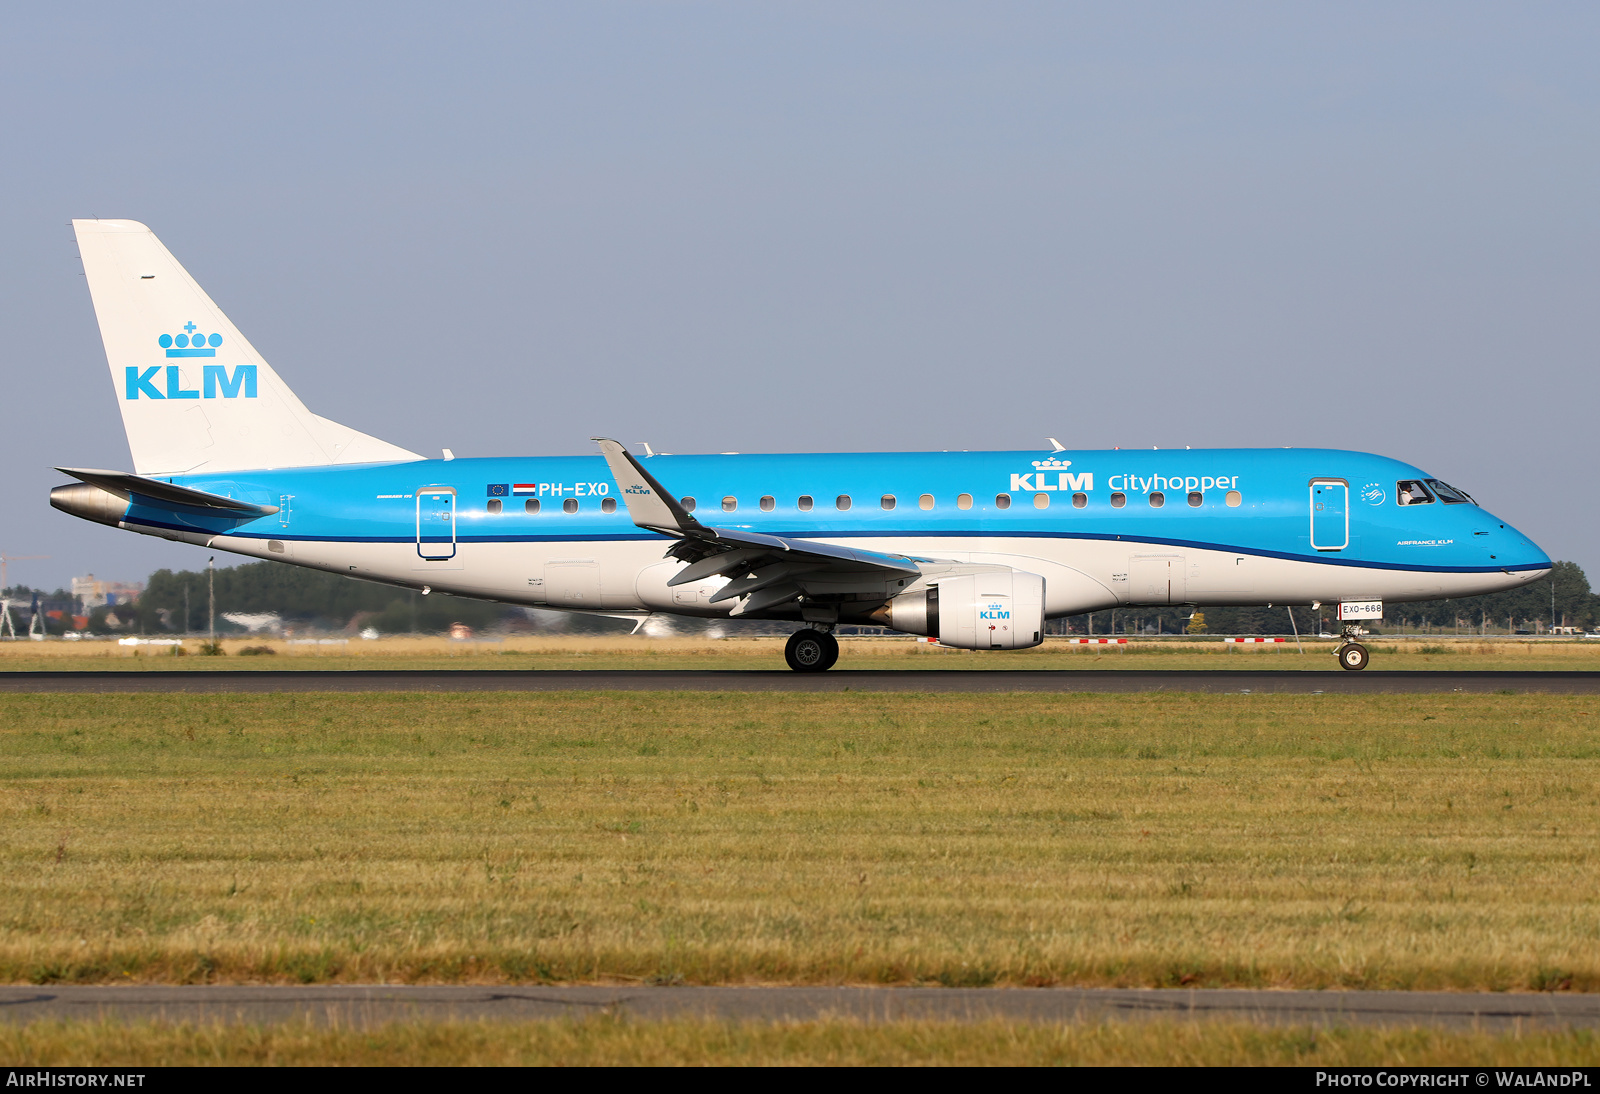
(195, 396)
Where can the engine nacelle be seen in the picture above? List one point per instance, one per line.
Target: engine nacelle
(992, 610)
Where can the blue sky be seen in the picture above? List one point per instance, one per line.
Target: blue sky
(503, 229)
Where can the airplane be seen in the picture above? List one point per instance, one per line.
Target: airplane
(975, 550)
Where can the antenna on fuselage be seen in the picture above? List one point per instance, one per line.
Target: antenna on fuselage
(1055, 445)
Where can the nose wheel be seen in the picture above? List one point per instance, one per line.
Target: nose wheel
(811, 651)
(1352, 656)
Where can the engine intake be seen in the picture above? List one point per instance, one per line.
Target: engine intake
(993, 610)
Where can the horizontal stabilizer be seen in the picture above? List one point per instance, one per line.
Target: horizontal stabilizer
(124, 484)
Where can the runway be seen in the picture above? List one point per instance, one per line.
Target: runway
(363, 1006)
(1224, 681)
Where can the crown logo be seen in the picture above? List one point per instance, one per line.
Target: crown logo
(1052, 464)
(190, 344)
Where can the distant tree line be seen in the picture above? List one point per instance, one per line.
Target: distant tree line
(177, 601)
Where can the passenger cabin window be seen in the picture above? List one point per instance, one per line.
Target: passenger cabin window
(570, 505)
(1118, 500)
(729, 504)
(609, 505)
(495, 505)
(687, 503)
(842, 501)
(1080, 500)
(1195, 498)
(886, 502)
(805, 503)
(530, 506)
(1041, 501)
(1002, 501)
(768, 503)
(1157, 499)
(1233, 498)
(1411, 492)
(964, 501)
(1449, 494)
(925, 502)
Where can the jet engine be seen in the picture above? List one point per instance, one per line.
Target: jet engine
(990, 610)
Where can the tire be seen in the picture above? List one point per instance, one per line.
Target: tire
(811, 651)
(1353, 656)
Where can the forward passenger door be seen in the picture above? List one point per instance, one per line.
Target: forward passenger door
(1330, 514)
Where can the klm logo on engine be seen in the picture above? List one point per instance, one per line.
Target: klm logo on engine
(216, 381)
(993, 611)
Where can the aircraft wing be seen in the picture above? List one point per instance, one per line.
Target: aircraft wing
(124, 484)
(767, 571)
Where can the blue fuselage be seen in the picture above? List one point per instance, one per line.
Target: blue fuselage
(1177, 499)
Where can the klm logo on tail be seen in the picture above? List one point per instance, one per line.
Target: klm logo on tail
(215, 380)
(189, 344)
(215, 383)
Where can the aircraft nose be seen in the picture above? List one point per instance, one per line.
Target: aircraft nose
(1520, 550)
(1508, 549)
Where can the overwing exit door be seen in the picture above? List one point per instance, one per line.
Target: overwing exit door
(436, 523)
(1330, 514)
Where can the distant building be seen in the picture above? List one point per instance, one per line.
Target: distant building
(91, 593)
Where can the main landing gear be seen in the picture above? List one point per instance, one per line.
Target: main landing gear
(1352, 655)
(811, 651)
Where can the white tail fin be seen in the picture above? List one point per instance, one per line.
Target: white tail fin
(195, 395)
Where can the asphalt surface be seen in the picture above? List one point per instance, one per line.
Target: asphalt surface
(361, 1006)
(1234, 681)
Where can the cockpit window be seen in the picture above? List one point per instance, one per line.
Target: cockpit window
(1449, 494)
(1411, 492)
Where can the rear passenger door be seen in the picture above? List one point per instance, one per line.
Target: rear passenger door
(436, 523)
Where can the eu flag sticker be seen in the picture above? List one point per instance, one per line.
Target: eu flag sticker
(499, 489)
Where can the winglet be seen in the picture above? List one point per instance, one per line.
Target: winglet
(649, 503)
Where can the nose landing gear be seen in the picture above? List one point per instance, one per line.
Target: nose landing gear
(1352, 656)
(811, 650)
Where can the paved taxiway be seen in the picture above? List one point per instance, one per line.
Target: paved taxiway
(1234, 681)
(361, 1006)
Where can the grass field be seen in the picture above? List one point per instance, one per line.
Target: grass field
(1306, 841)
(613, 1042)
(554, 652)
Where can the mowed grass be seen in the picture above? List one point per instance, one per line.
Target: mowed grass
(766, 654)
(1208, 840)
(605, 1041)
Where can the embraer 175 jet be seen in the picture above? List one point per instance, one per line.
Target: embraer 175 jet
(974, 549)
